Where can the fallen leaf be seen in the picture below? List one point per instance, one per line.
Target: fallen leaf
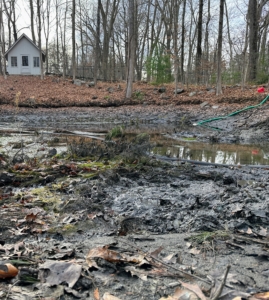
(194, 288)
(96, 294)
(59, 272)
(107, 296)
(113, 256)
(156, 252)
(263, 296)
(194, 251)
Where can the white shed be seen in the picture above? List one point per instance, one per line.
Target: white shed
(23, 57)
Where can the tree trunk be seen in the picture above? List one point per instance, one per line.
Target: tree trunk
(253, 39)
(199, 41)
(131, 50)
(39, 38)
(32, 21)
(219, 53)
(183, 42)
(97, 44)
(2, 40)
(73, 40)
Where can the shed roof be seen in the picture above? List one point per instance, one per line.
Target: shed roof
(30, 41)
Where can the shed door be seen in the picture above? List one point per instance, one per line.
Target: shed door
(25, 64)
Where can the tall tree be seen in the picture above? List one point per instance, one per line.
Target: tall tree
(97, 44)
(73, 39)
(32, 20)
(199, 40)
(253, 39)
(46, 27)
(39, 17)
(2, 40)
(219, 53)
(11, 14)
(109, 13)
(131, 49)
(182, 41)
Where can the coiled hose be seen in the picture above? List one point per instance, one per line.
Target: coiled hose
(233, 113)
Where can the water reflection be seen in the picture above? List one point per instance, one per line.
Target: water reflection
(216, 153)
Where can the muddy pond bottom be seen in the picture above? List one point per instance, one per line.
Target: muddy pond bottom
(35, 143)
(215, 153)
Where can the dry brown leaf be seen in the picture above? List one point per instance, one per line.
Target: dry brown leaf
(156, 252)
(107, 296)
(96, 294)
(194, 288)
(194, 251)
(263, 296)
(113, 256)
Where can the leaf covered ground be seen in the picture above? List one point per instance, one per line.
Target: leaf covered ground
(31, 91)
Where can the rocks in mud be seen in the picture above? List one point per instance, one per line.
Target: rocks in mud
(6, 178)
(179, 91)
(162, 89)
(52, 152)
(192, 94)
(79, 82)
(228, 179)
(204, 104)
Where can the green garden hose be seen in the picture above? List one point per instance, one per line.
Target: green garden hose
(232, 114)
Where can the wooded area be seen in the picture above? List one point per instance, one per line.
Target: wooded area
(206, 42)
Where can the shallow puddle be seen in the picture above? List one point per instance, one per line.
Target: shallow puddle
(185, 148)
(215, 153)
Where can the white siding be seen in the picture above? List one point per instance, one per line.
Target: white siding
(23, 48)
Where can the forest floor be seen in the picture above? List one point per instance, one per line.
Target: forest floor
(30, 91)
(83, 217)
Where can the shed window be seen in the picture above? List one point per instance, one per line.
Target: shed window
(36, 62)
(25, 62)
(14, 61)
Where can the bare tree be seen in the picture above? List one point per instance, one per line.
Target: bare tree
(97, 43)
(253, 38)
(2, 40)
(39, 17)
(73, 39)
(219, 54)
(183, 37)
(32, 20)
(46, 27)
(131, 48)
(199, 41)
(11, 14)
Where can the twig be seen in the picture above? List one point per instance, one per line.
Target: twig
(163, 263)
(219, 290)
(11, 288)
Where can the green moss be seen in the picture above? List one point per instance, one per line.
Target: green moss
(48, 199)
(69, 228)
(189, 138)
(209, 236)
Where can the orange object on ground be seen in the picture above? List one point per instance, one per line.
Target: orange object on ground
(8, 271)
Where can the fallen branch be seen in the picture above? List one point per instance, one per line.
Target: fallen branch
(219, 290)
(162, 262)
